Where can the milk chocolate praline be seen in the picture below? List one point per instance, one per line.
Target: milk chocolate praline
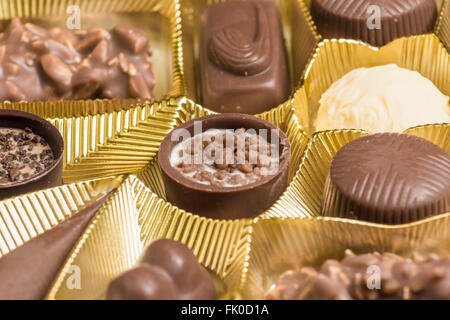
(243, 60)
(388, 178)
(168, 270)
(49, 177)
(358, 19)
(224, 202)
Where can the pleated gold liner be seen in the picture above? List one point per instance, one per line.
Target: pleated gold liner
(117, 142)
(303, 197)
(443, 25)
(334, 58)
(278, 245)
(158, 18)
(25, 217)
(283, 116)
(299, 34)
(133, 218)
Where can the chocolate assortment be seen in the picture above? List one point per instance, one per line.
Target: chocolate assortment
(228, 181)
(39, 64)
(231, 194)
(401, 279)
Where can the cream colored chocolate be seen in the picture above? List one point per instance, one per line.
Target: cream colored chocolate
(381, 99)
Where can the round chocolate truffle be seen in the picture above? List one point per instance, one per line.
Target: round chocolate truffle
(376, 22)
(236, 166)
(388, 178)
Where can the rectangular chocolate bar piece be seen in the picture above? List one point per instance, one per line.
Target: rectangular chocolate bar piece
(243, 59)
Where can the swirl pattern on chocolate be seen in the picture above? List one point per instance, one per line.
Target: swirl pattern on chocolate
(235, 52)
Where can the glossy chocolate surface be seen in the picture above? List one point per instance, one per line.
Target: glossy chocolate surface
(168, 271)
(388, 178)
(357, 19)
(243, 59)
(27, 272)
(401, 279)
(225, 202)
(49, 177)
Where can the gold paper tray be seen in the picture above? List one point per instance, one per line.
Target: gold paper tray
(158, 18)
(278, 245)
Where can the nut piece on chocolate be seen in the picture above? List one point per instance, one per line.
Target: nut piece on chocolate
(357, 19)
(401, 278)
(243, 58)
(37, 64)
(388, 178)
(23, 154)
(168, 271)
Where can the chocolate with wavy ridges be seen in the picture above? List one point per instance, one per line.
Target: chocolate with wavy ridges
(388, 178)
(232, 50)
(355, 19)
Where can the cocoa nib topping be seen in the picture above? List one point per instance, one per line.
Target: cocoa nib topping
(227, 158)
(23, 154)
(369, 276)
(39, 64)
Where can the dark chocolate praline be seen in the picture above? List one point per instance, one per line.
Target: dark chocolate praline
(388, 178)
(225, 202)
(49, 177)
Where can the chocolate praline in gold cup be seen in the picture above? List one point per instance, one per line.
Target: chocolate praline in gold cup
(50, 176)
(224, 202)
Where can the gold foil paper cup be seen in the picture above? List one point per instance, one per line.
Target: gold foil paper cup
(303, 198)
(283, 117)
(25, 217)
(334, 58)
(159, 19)
(279, 245)
(299, 33)
(133, 218)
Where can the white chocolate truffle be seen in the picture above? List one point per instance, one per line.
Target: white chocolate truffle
(381, 99)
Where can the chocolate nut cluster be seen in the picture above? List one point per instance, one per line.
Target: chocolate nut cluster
(400, 278)
(227, 158)
(39, 64)
(23, 155)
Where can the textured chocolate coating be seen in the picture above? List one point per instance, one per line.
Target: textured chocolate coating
(51, 176)
(243, 59)
(27, 272)
(224, 202)
(168, 271)
(401, 278)
(349, 19)
(40, 64)
(388, 178)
